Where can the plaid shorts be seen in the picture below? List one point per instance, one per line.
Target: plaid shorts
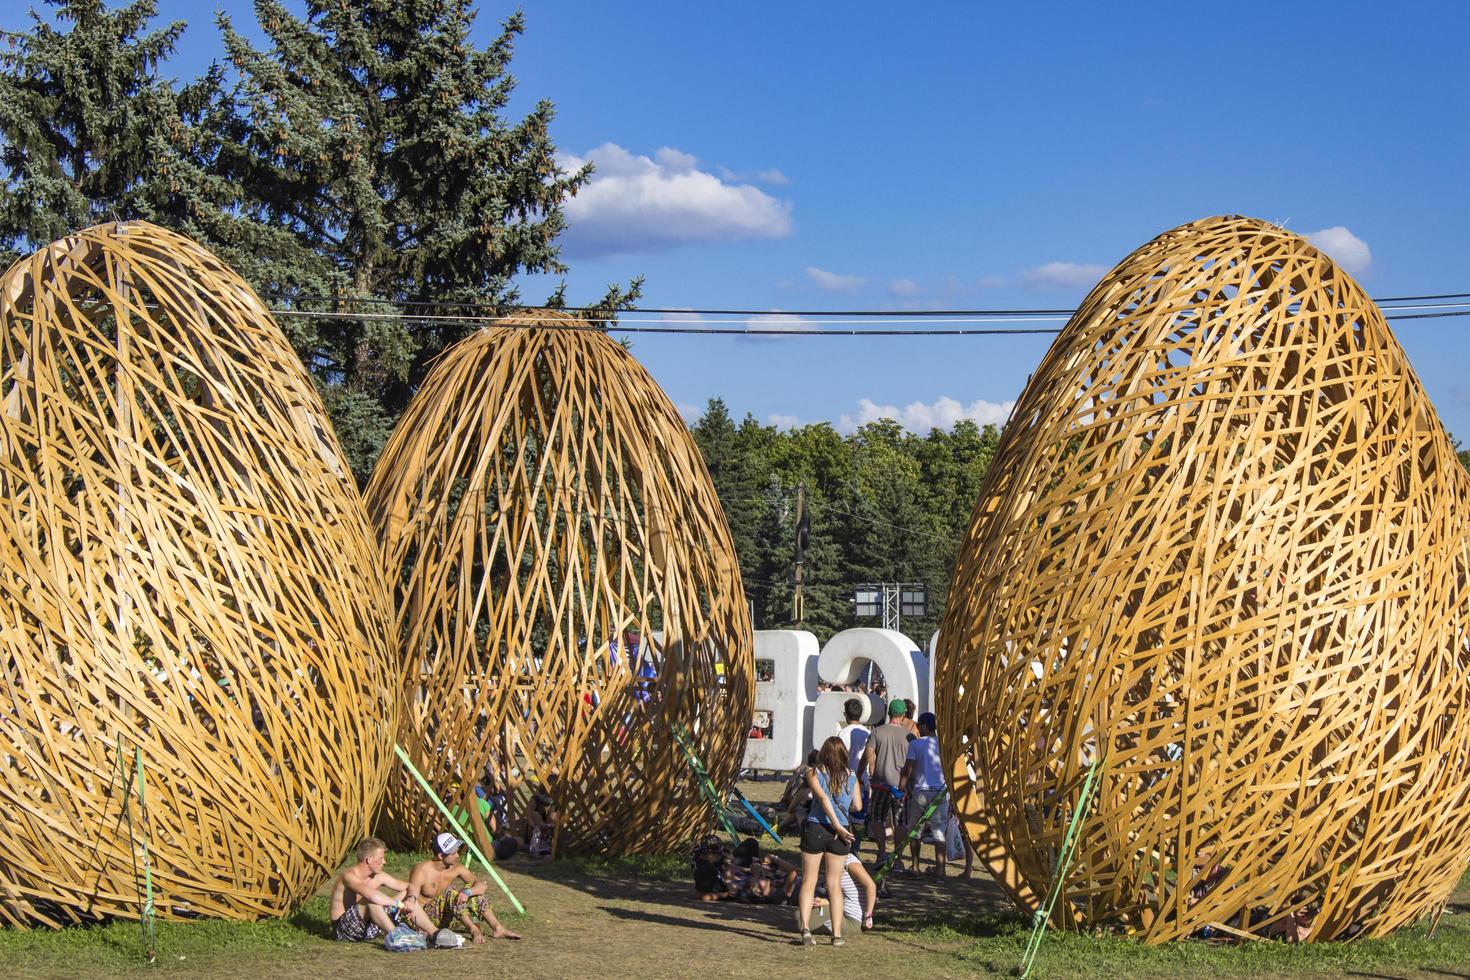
(354, 927)
(883, 806)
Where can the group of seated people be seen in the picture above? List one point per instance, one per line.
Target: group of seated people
(745, 874)
(369, 904)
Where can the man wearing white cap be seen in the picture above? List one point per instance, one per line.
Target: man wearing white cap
(448, 891)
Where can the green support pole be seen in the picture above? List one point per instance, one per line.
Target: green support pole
(147, 918)
(458, 827)
(914, 831)
(1064, 858)
(706, 784)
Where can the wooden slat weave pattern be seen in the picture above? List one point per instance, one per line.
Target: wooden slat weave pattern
(186, 569)
(1224, 541)
(543, 500)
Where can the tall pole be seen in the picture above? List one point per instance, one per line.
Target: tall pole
(798, 603)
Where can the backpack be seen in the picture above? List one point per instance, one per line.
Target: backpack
(404, 939)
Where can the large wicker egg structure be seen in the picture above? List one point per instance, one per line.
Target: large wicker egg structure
(1222, 552)
(570, 600)
(186, 576)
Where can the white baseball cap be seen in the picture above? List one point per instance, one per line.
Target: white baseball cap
(446, 844)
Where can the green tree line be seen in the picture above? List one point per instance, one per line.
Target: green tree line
(883, 505)
(358, 163)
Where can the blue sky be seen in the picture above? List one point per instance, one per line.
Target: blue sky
(803, 156)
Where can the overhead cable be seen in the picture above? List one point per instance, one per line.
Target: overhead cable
(820, 329)
(470, 305)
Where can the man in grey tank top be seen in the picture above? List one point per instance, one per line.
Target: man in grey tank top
(884, 756)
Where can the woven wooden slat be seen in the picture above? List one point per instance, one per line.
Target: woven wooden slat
(186, 570)
(1224, 541)
(544, 501)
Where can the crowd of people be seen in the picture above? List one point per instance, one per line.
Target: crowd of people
(885, 785)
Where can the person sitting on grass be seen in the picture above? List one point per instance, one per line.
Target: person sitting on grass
(857, 908)
(859, 896)
(361, 911)
(538, 826)
(433, 883)
(796, 799)
(710, 860)
(753, 877)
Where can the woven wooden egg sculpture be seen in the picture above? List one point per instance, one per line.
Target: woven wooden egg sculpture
(570, 605)
(194, 635)
(1221, 553)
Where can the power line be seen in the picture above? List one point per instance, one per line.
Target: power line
(1424, 316)
(471, 305)
(818, 331)
(897, 527)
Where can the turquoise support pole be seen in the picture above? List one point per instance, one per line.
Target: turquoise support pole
(755, 813)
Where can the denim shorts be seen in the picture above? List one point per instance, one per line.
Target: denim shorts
(818, 838)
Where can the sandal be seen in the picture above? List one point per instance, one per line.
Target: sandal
(806, 938)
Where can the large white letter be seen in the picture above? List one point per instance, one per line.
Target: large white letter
(792, 657)
(845, 658)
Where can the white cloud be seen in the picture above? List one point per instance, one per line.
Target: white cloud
(833, 281)
(776, 320)
(640, 204)
(942, 293)
(770, 176)
(1063, 275)
(1345, 248)
(690, 413)
(783, 421)
(672, 160)
(919, 417)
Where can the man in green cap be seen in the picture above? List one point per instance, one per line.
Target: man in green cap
(883, 758)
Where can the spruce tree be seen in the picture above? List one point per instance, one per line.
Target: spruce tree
(91, 130)
(368, 138)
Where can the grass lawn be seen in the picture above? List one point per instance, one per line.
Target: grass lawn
(634, 917)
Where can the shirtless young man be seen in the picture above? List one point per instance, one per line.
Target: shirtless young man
(361, 912)
(434, 883)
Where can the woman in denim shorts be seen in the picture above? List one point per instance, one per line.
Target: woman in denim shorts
(826, 837)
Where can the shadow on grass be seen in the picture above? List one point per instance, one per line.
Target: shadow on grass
(313, 918)
(950, 924)
(658, 867)
(727, 925)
